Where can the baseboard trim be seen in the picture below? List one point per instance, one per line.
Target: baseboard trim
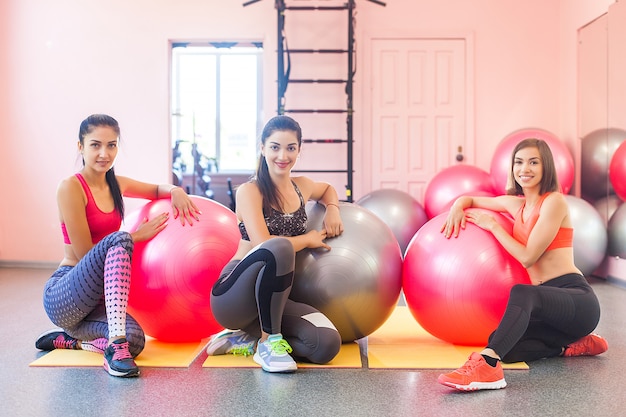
(29, 264)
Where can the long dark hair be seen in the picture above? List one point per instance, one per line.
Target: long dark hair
(86, 127)
(271, 196)
(549, 178)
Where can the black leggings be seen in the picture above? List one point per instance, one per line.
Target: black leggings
(539, 321)
(74, 296)
(252, 294)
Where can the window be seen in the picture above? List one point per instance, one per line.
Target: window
(215, 106)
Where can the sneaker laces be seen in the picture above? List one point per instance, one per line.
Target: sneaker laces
(101, 343)
(588, 345)
(62, 343)
(121, 351)
(280, 346)
(241, 350)
(468, 367)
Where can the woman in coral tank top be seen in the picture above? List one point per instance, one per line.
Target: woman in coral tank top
(557, 313)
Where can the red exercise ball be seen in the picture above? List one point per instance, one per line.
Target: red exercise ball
(617, 171)
(457, 288)
(173, 273)
(501, 161)
(452, 182)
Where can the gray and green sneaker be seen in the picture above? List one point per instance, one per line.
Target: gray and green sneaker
(273, 355)
(235, 342)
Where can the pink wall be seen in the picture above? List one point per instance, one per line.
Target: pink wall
(66, 59)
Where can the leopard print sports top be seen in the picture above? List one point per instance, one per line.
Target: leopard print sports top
(283, 224)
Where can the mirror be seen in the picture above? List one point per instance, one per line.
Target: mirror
(602, 121)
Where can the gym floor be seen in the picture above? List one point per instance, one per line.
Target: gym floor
(559, 386)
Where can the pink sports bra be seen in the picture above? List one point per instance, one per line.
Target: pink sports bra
(521, 230)
(100, 223)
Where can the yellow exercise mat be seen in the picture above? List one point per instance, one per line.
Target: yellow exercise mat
(156, 354)
(349, 356)
(401, 343)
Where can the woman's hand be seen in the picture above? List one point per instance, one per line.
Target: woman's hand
(332, 221)
(481, 219)
(184, 207)
(454, 222)
(148, 229)
(315, 239)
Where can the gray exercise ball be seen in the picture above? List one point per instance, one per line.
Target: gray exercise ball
(617, 232)
(606, 206)
(357, 283)
(597, 149)
(590, 235)
(399, 210)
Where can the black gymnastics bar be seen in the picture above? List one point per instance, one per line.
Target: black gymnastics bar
(321, 171)
(312, 81)
(322, 8)
(324, 140)
(314, 111)
(317, 51)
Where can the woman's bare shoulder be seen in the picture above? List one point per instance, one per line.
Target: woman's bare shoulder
(69, 185)
(248, 187)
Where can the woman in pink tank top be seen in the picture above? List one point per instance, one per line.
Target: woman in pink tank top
(87, 296)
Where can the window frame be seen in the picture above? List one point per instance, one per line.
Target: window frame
(219, 50)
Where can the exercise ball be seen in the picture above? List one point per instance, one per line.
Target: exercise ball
(457, 288)
(597, 149)
(617, 171)
(173, 273)
(590, 234)
(606, 206)
(399, 210)
(357, 283)
(452, 182)
(501, 160)
(472, 194)
(617, 233)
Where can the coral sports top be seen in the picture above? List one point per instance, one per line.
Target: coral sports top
(100, 223)
(521, 230)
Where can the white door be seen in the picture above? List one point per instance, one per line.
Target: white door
(419, 112)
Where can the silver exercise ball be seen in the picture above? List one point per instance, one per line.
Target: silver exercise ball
(606, 206)
(357, 283)
(617, 233)
(399, 210)
(590, 235)
(597, 149)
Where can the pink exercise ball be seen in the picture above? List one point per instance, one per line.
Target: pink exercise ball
(617, 171)
(452, 182)
(173, 273)
(501, 161)
(457, 289)
(470, 194)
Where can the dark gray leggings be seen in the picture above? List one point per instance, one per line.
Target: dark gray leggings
(540, 320)
(252, 294)
(74, 296)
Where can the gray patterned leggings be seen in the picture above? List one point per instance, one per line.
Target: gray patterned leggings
(252, 294)
(74, 297)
